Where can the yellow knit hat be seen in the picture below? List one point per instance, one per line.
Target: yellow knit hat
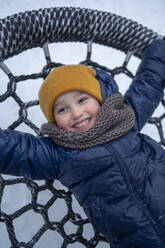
(67, 78)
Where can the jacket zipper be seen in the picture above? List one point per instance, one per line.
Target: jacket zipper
(157, 226)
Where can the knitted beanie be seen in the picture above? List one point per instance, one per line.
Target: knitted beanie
(64, 79)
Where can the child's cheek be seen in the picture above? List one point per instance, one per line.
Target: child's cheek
(63, 122)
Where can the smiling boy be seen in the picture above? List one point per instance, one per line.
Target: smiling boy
(95, 148)
(76, 111)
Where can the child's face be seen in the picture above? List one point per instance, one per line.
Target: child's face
(75, 111)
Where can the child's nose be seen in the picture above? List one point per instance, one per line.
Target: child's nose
(76, 112)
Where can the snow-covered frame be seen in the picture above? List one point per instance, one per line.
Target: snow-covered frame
(33, 28)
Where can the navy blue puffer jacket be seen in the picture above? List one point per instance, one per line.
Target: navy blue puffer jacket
(120, 185)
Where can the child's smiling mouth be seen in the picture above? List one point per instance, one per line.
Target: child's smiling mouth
(82, 124)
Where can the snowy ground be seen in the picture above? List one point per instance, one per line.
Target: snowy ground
(149, 13)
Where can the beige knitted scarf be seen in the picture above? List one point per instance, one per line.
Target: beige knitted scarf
(114, 120)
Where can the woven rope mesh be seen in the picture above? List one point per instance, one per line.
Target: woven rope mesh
(47, 210)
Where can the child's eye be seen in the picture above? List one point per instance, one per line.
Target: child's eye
(83, 99)
(62, 110)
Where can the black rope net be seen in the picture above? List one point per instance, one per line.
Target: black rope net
(56, 216)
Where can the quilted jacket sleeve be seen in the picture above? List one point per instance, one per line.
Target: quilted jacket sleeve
(26, 155)
(147, 89)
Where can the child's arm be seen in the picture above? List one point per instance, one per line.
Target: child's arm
(26, 155)
(147, 89)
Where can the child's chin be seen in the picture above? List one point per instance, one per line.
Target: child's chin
(83, 129)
